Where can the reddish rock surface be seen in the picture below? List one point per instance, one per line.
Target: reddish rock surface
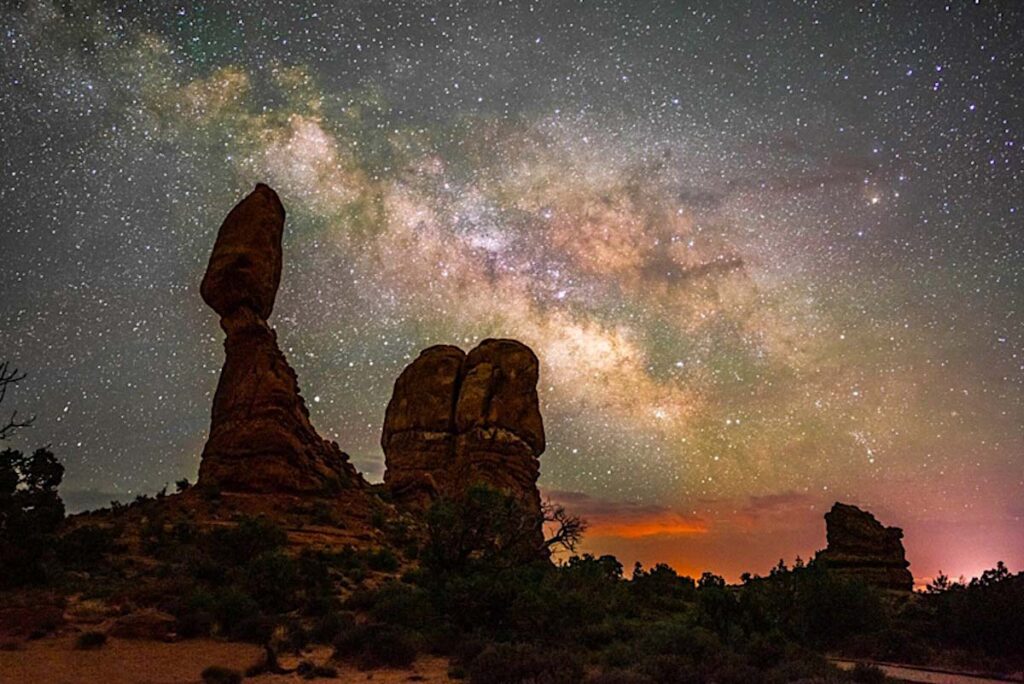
(419, 425)
(261, 439)
(861, 547)
(457, 419)
(245, 265)
(498, 426)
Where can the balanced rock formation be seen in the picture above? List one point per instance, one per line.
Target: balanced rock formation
(861, 547)
(261, 439)
(456, 419)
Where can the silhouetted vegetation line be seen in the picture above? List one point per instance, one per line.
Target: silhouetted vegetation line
(468, 594)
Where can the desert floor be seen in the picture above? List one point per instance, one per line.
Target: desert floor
(55, 660)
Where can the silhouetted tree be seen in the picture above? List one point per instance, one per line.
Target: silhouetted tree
(483, 524)
(567, 529)
(709, 580)
(940, 584)
(30, 511)
(983, 614)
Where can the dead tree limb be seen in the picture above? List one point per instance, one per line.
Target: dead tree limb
(8, 377)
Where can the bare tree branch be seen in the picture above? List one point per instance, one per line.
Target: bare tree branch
(568, 528)
(11, 376)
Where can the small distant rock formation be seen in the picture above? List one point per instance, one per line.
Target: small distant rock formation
(456, 419)
(861, 547)
(261, 439)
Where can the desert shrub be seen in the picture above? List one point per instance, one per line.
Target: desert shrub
(329, 625)
(184, 532)
(390, 647)
(310, 670)
(317, 604)
(867, 674)
(397, 533)
(196, 614)
(255, 629)
(515, 663)
(620, 654)
(249, 538)
(273, 579)
(764, 650)
(801, 665)
(382, 560)
(234, 609)
(90, 640)
(317, 585)
(399, 604)
(375, 645)
(85, 546)
(661, 587)
(361, 599)
(440, 637)
(194, 623)
(296, 636)
(204, 568)
(679, 638)
(154, 533)
(467, 649)
(215, 674)
(349, 641)
(670, 669)
(596, 635)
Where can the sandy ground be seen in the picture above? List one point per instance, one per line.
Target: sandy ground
(54, 660)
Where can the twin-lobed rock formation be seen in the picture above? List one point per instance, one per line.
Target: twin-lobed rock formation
(454, 419)
(261, 439)
(861, 547)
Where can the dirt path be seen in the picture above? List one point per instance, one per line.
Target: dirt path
(913, 674)
(55, 660)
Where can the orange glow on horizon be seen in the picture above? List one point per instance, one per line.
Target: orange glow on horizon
(671, 525)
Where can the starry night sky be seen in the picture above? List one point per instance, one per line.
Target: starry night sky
(770, 256)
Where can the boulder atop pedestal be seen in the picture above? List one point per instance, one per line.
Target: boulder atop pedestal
(245, 265)
(261, 439)
(861, 547)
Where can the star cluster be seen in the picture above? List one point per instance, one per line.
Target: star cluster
(770, 255)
